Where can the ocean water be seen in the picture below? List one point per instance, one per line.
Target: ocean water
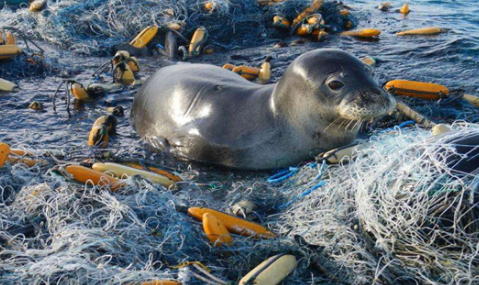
(451, 59)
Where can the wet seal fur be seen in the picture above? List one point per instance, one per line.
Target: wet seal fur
(208, 114)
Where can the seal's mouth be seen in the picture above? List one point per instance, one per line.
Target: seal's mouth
(366, 104)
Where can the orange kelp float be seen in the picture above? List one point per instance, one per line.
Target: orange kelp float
(247, 72)
(120, 170)
(313, 8)
(281, 22)
(4, 152)
(209, 6)
(170, 175)
(423, 31)
(365, 33)
(83, 175)
(250, 73)
(405, 9)
(9, 51)
(423, 90)
(216, 230)
(312, 23)
(229, 66)
(233, 224)
(27, 161)
(161, 282)
(144, 37)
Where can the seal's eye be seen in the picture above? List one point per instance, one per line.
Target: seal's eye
(335, 85)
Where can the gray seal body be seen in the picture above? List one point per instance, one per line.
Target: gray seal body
(208, 114)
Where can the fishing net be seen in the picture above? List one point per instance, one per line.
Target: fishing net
(94, 26)
(396, 215)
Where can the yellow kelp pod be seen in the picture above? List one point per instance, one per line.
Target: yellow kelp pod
(313, 8)
(384, 6)
(423, 31)
(209, 6)
(229, 66)
(404, 9)
(6, 85)
(134, 64)
(247, 72)
(4, 152)
(144, 37)
(344, 12)
(271, 271)
(35, 105)
(423, 90)
(119, 170)
(315, 19)
(281, 22)
(264, 74)
(78, 91)
(109, 121)
(320, 34)
(348, 25)
(365, 33)
(123, 74)
(216, 230)
(369, 60)
(9, 51)
(98, 136)
(30, 162)
(10, 39)
(120, 56)
(199, 38)
(37, 5)
(101, 131)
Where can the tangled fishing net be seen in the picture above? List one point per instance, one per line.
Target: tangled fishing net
(396, 215)
(93, 26)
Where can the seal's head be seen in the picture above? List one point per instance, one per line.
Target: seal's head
(337, 87)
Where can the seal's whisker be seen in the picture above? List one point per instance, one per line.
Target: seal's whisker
(350, 122)
(332, 123)
(340, 125)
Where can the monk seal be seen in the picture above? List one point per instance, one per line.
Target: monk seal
(208, 114)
